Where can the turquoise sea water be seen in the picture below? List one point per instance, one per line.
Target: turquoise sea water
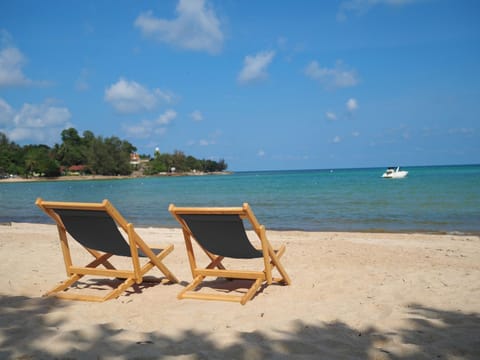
(430, 199)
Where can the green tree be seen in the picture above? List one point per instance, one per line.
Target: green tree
(72, 151)
(88, 138)
(221, 165)
(110, 156)
(11, 157)
(155, 165)
(192, 163)
(38, 161)
(179, 161)
(182, 163)
(120, 151)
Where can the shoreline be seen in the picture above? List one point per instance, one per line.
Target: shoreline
(109, 177)
(353, 295)
(270, 229)
(65, 178)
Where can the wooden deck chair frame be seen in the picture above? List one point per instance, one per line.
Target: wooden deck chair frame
(271, 257)
(138, 249)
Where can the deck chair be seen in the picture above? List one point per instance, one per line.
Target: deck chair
(220, 233)
(96, 226)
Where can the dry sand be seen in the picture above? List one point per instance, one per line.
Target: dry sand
(353, 296)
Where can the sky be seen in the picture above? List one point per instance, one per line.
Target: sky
(264, 85)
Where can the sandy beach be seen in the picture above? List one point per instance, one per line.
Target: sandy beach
(353, 296)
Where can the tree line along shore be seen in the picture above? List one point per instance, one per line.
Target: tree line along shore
(89, 156)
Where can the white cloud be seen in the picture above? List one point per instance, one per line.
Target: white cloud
(360, 7)
(337, 77)
(196, 27)
(331, 115)
(196, 115)
(254, 67)
(352, 104)
(35, 123)
(11, 63)
(130, 97)
(337, 139)
(261, 153)
(147, 128)
(211, 140)
(166, 118)
(205, 142)
(6, 113)
(141, 131)
(40, 116)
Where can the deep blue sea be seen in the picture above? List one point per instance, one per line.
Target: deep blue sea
(430, 199)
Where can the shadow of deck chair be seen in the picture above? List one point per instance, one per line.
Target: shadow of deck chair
(221, 233)
(96, 227)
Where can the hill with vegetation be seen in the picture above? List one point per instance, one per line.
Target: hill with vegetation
(93, 155)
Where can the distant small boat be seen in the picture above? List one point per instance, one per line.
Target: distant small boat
(394, 173)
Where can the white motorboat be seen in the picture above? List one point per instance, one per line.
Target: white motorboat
(394, 173)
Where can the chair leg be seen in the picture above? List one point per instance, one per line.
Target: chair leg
(216, 263)
(191, 286)
(120, 289)
(275, 263)
(64, 285)
(188, 292)
(59, 290)
(252, 291)
(156, 260)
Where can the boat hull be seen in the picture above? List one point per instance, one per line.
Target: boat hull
(395, 175)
